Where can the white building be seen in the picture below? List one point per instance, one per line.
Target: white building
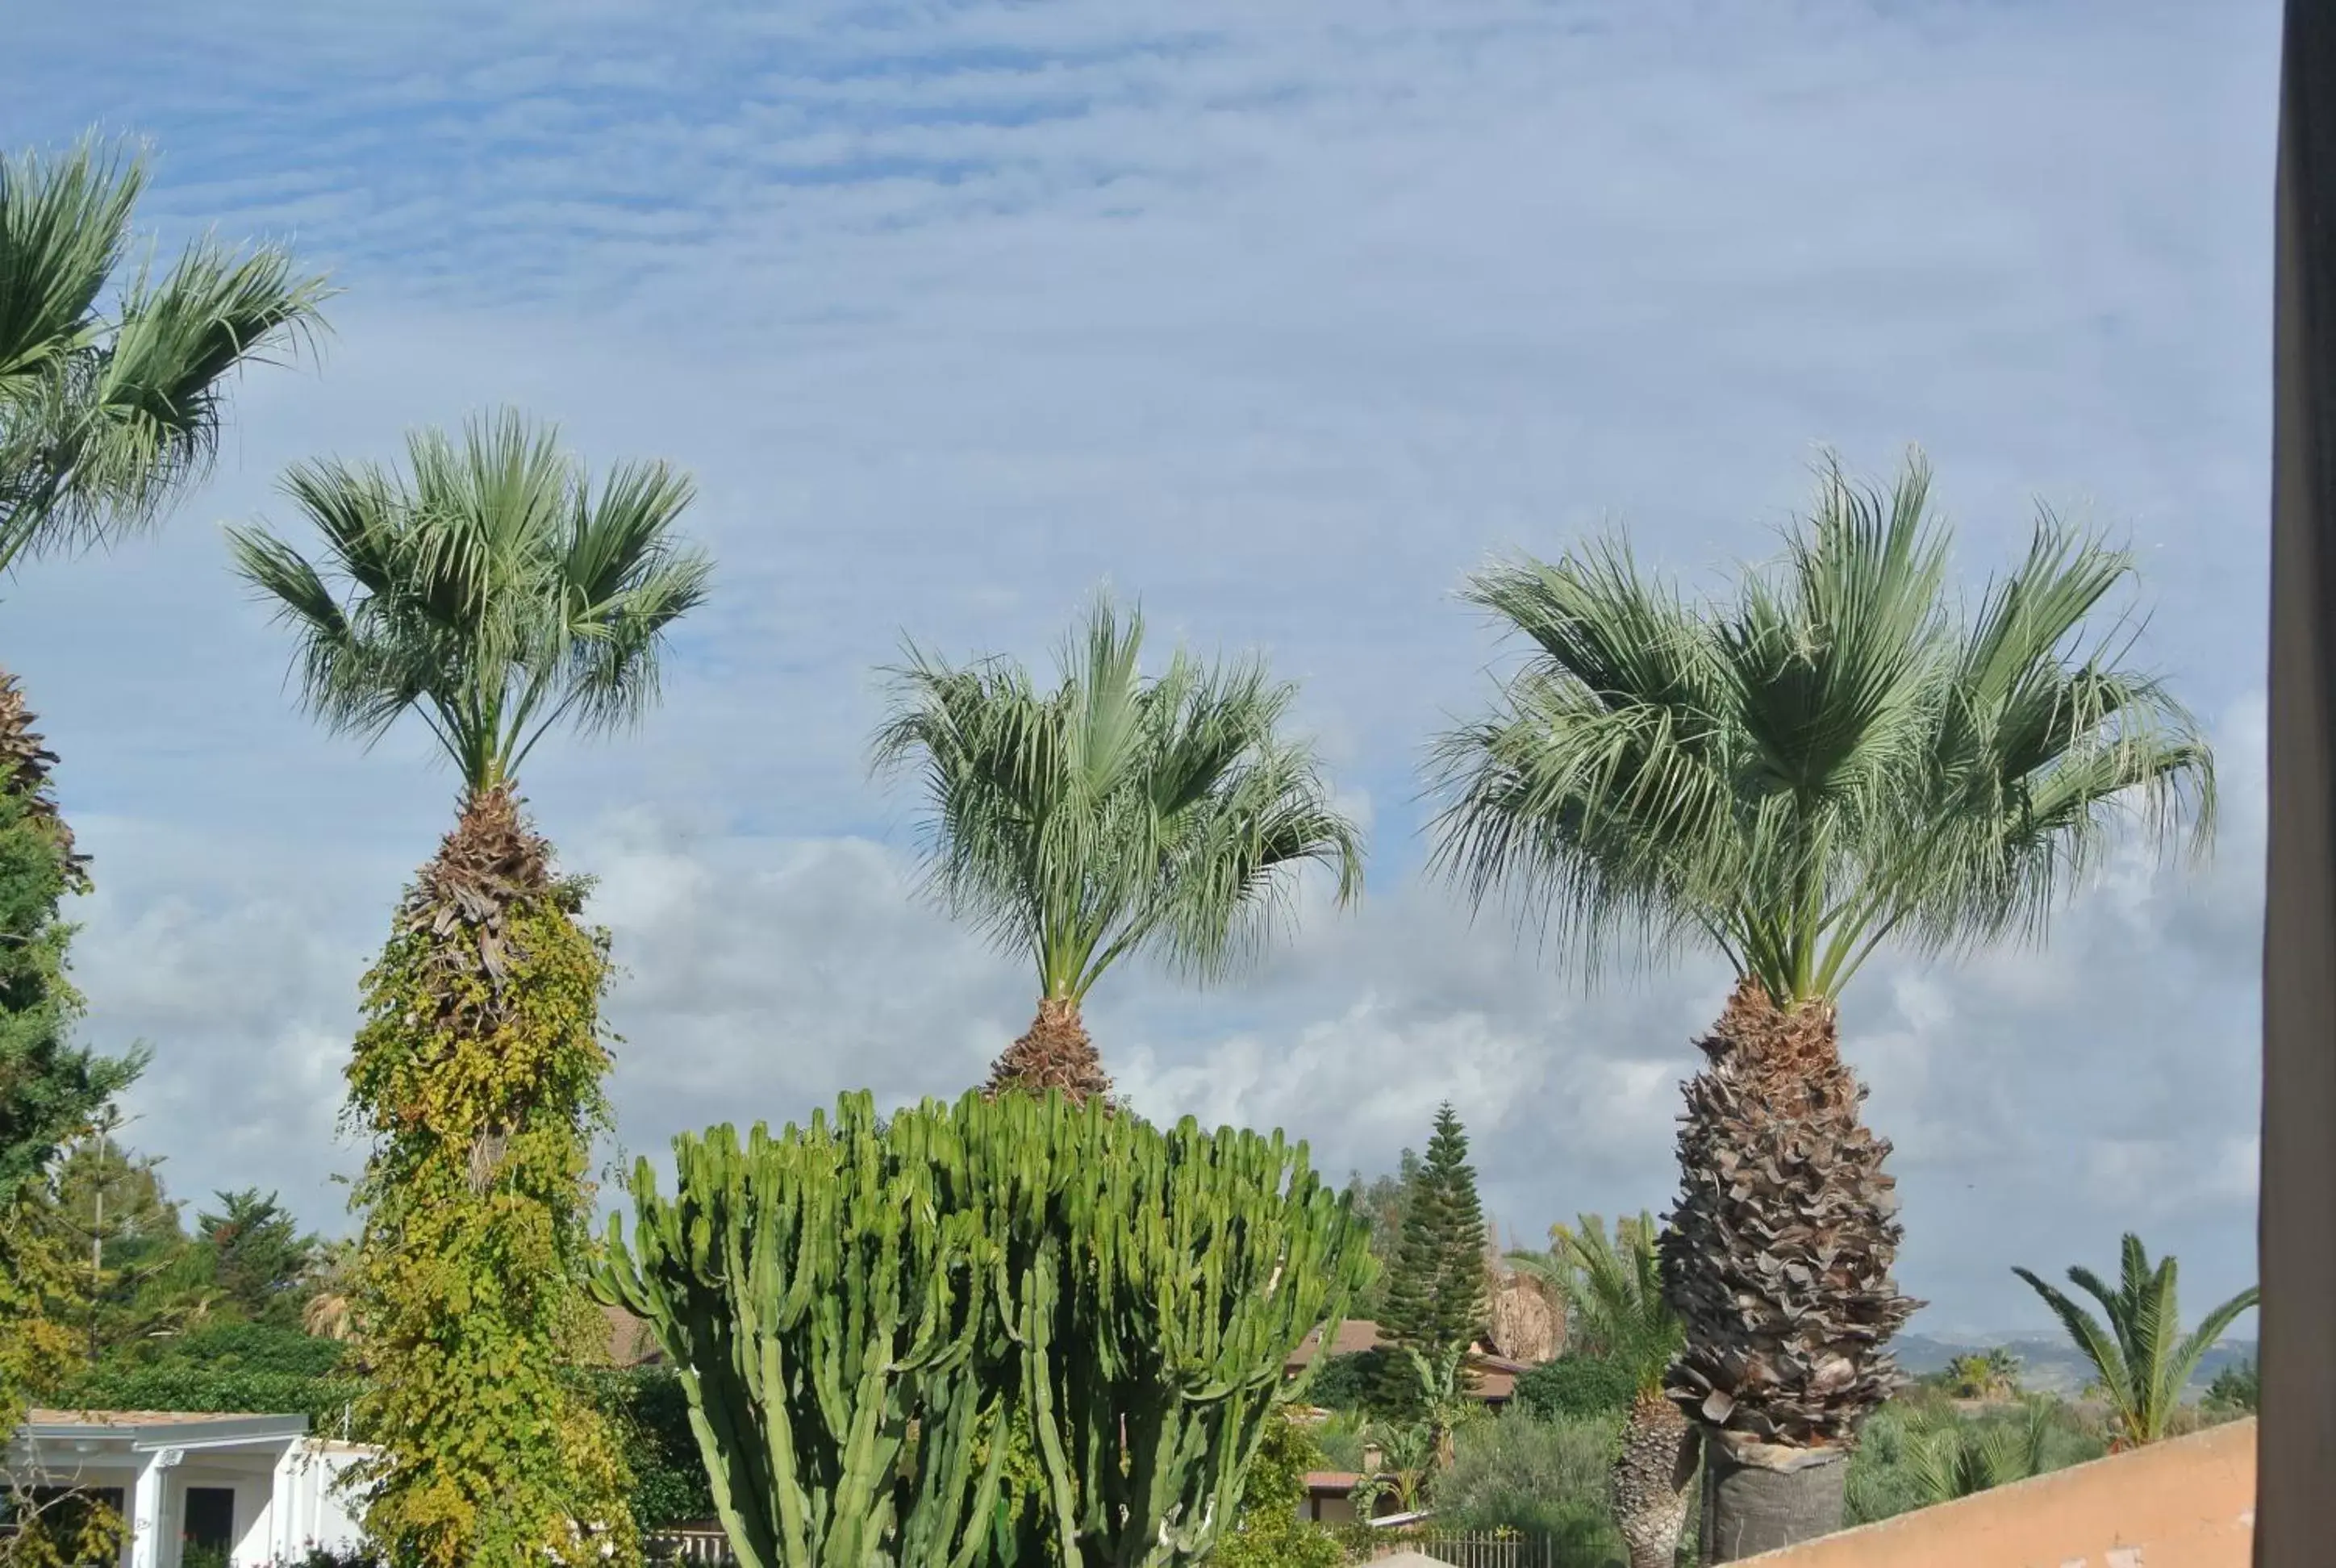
(257, 1487)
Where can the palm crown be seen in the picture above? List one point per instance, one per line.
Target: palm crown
(1613, 1292)
(2144, 1360)
(1836, 757)
(492, 589)
(104, 417)
(1114, 814)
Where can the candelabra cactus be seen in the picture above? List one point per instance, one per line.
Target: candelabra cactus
(860, 1313)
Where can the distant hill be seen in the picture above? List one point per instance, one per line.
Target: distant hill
(2049, 1363)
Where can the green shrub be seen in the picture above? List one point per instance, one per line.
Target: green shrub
(246, 1347)
(1267, 1531)
(1545, 1479)
(2236, 1387)
(1345, 1382)
(1577, 1385)
(218, 1391)
(649, 1410)
(1918, 1452)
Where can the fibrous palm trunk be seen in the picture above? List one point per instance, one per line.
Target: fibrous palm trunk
(1054, 1053)
(1778, 1260)
(1648, 1485)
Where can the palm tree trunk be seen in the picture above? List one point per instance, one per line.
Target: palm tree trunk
(1778, 1261)
(1054, 1053)
(1648, 1485)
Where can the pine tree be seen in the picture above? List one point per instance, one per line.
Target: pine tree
(1436, 1291)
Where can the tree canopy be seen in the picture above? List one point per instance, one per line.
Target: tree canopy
(1113, 813)
(491, 588)
(1838, 755)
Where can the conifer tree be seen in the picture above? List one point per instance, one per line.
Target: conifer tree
(1436, 1291)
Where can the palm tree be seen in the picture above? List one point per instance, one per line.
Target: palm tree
(1836, 757)
(1950, 1456)
(1110, 815)
(1445, 1403)
(495, 592)
(108, 408)
(1613, 1291)
(2142, 1358)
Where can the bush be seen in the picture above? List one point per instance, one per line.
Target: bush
(1267, 1531)
(2236, 1387)
(240, 1347)
(1545, 1479)
(1888, 1477)
(650, 1412)
(1345, 1382)
(218, 1391)
(1578, 1386)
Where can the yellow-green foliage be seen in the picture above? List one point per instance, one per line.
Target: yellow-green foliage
(482, 1098)
(1269, 1531)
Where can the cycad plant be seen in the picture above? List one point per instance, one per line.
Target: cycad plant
(1110, 815)
(1838, 756)
(495, 592)
(2141, 1357)
(1613, 1292)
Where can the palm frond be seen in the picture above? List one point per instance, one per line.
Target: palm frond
(104, 422)
(1832, 758)
(488, 590)
(1113, 814)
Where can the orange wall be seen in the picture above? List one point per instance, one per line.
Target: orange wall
(2187, 1502)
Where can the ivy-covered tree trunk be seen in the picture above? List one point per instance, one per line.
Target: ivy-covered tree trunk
(478, 1078)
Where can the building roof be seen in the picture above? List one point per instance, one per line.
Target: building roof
(1333, 1483)
(630, 1342)
(85, 1432)
(1354, 1334)
(38, 1417)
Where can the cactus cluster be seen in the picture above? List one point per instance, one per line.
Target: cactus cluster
(863, 1313)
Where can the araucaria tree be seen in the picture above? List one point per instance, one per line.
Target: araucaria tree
(1839, 756)
(1436, 1290)
(1112, 815)
(496, 592)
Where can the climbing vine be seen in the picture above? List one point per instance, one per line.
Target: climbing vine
(477, 1079)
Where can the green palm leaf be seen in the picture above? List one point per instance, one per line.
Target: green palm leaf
(104, 418)
(488, 589)
(1114, 814)
(2140, 1356)
(1835, 758)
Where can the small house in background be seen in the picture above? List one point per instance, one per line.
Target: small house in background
(1492, 1376)
(247, 1490)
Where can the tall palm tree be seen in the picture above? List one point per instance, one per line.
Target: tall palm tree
(1613, 1291)
(2142, 1357)
(1837, 756)
(111, 404)
(495, 592)
(1110, 815)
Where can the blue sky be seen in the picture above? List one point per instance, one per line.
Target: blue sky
(1281, 317)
